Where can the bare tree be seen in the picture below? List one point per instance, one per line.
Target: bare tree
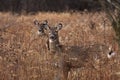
(112, 9)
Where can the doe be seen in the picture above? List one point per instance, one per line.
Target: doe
(41, 27)
(53, 44)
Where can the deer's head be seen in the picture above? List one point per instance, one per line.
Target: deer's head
(53, 32)
(41, 26)
(53, 38)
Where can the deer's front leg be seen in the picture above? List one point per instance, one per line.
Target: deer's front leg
(47, 44)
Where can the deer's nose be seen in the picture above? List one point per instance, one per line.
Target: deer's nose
(52, 37)
(40, 30)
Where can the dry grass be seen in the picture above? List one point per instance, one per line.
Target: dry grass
(23, 54)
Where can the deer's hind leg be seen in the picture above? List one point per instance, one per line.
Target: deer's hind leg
(65, 70)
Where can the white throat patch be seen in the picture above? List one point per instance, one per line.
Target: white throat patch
(38, 33)
(50, 40)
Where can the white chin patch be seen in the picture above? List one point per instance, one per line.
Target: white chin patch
(38, 33)
(50, 40)
(111, 55)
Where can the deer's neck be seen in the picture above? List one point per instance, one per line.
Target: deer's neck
(54, 45)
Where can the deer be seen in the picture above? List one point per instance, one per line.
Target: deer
(41, 27)
(87, 57)
(53, 44)
(75, 56)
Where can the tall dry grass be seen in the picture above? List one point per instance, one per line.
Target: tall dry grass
(24, 56)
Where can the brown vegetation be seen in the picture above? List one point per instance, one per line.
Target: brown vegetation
(24, 56)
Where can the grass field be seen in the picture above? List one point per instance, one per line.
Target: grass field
(24, 56)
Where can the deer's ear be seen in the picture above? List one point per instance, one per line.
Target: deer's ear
(59, 27)
(36, 22)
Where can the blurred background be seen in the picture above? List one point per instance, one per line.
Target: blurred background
(47, 5)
